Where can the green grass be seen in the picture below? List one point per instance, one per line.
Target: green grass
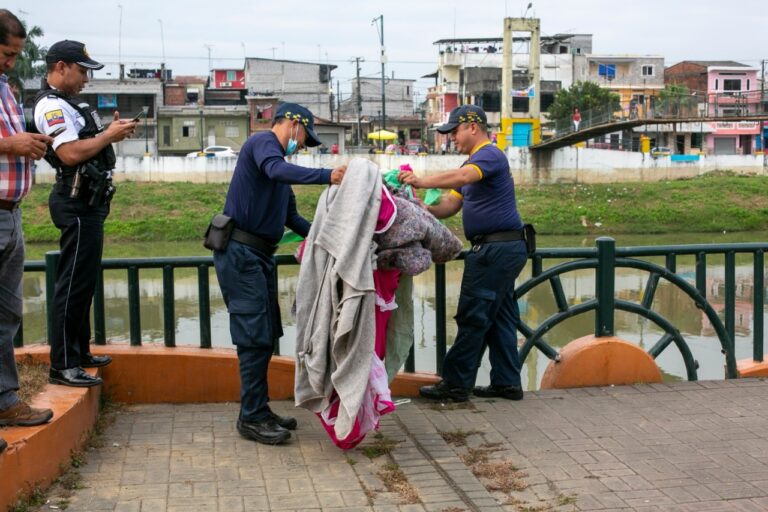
(713, 203)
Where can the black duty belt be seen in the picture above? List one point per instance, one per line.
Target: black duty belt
(8, 205)
(253, 241)
(499, 236)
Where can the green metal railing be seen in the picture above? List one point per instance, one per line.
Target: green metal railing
(604, 259)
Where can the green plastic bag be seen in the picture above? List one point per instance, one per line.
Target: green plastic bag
(290, 237)
(432, 197)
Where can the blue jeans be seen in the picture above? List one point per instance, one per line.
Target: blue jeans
(11, 273)
(249, 286)
(487, 315)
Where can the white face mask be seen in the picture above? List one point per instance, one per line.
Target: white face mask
(293, 143)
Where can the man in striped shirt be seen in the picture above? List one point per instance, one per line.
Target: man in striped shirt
(17, 150)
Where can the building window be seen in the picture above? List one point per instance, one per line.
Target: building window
(232, 132)
(189, 131)
(231, 76)
(166, 135)
(731, 84)
(647, 70)
(717, 84)
(748, 83)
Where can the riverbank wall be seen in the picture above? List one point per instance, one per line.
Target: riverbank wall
(566, 165)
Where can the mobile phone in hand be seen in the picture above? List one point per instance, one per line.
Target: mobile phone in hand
(138, 116)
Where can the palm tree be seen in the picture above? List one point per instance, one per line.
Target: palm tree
(30, 62)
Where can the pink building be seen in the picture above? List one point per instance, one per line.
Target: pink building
(228, 79)
(731, 89)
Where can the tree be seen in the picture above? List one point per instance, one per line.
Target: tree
(30, 62)
(592, 101)
(674, 99)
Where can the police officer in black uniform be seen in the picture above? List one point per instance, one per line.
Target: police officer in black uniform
(83, 157)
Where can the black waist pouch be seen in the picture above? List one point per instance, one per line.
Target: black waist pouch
(530, 239)
(219, 232)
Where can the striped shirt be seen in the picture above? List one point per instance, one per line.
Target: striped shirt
(15, 171)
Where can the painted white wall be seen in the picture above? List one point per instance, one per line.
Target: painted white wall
(567, 165)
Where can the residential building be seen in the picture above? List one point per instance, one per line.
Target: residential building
(228, 78)
(401, 117)
(727, 88)
(306, 83)
(186, 128)
(185, 90)
(469, 71)
(636, 79)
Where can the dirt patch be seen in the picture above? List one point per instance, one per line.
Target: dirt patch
(381, 446)
(458, 437)
(33, 376)
(395, 481)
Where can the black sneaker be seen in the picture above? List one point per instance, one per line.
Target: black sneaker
(266, 431)
(284, 421)
(508, 392)
(444, 391)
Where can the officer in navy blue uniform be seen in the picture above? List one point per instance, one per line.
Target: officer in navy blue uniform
(487, 314)
(83, 157)
(261, 203)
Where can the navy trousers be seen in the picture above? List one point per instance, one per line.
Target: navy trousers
(487, 315)
(249, 286)
(81, 244)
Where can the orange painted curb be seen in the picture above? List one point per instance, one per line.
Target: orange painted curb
(159, 374)
(591, 361)
(751, 368)
(36, 455)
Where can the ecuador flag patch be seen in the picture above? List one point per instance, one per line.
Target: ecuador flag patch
(54, 117)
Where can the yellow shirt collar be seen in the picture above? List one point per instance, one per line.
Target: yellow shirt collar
(485, 143)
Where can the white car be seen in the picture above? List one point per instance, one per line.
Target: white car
(214, 151)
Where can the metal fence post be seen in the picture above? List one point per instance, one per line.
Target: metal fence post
(440, 328)
(169, 321)
(605, 286)
(51, 270)
(134, 311)
(204, 305)
(758, 306)
(99, 320)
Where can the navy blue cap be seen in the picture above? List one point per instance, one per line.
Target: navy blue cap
(463, 114)
(304, 116)
(71, 51)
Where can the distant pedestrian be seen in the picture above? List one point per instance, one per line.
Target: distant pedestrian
(576, 118)
(334, 149)
(443, 148)
(487, 314)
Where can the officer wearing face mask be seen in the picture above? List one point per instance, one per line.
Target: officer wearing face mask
(261, 203)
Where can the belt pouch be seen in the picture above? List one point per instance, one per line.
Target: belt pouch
(530, 239)
(219, 232)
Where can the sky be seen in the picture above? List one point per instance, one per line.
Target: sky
(187, 35)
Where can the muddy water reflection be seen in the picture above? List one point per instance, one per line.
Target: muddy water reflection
(535, 307)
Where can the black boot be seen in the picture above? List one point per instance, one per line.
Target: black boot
(265, 431)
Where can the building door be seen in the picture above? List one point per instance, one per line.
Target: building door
(521, 134)
(725, 145)
(746, 144)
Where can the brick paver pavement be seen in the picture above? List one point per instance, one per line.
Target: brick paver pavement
(690, 446)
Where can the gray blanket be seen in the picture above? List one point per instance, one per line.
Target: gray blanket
(335, 297)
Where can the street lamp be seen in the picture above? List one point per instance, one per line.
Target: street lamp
(145, 109)
(201, 131)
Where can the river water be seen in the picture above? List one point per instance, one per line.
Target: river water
(536, 306)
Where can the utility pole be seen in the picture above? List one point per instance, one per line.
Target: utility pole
(380, 18)
(359, 101)
(338, 102)
(209, 46)
(762, 108)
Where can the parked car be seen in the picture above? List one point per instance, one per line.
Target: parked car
(660, 151)
(214, 151)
